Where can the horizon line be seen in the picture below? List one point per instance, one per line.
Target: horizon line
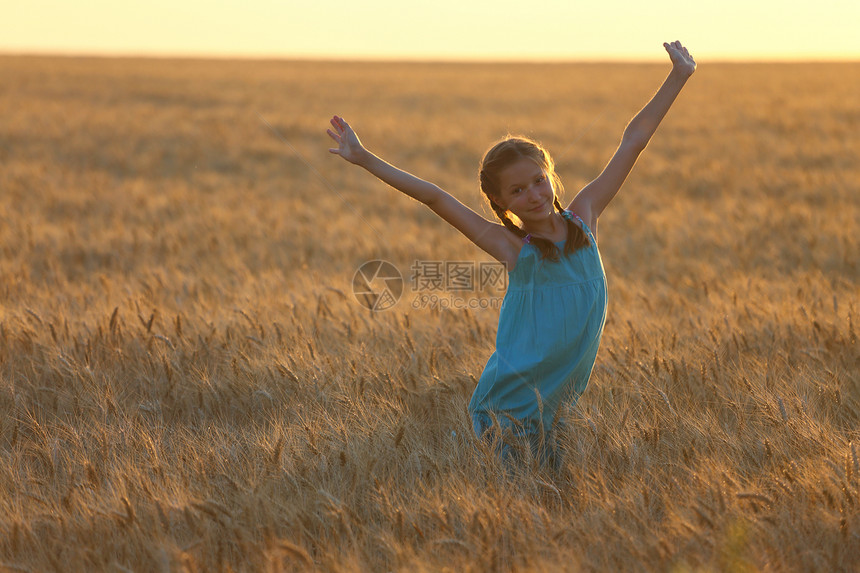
(423, 59)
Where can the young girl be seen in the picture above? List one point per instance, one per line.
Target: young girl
(552, 316)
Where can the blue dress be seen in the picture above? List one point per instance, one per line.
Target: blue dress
(550, 324)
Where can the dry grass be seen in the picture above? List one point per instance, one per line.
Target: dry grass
(186, 382)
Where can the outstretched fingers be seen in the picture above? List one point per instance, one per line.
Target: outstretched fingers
(335, 122)
(339, 124)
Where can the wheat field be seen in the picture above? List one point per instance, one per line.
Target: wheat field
(187, 382)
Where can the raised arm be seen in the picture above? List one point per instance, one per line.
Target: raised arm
(493, 238)
(590, 202)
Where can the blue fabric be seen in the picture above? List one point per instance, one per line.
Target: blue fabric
(550, 324)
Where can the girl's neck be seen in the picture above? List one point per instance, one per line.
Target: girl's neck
(552, 226)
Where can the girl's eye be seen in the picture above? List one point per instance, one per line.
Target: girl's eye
(540, 179)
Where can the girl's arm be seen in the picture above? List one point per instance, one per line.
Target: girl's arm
(493, 238)
(590, 202)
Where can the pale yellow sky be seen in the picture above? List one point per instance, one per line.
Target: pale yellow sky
(437, 29)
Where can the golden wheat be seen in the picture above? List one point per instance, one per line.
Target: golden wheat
(188, 383)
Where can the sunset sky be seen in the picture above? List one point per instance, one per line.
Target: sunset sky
(438, 29)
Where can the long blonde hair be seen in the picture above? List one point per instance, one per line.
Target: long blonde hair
(502, 155)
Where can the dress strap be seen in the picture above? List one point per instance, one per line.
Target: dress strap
(570, 215)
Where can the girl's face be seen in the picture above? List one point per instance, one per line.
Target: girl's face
(525, 190)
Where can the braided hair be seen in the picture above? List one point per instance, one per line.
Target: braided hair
(502, 155)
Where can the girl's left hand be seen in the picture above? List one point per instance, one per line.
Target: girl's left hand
(681, 58)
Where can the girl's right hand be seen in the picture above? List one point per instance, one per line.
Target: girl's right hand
(349, 147)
